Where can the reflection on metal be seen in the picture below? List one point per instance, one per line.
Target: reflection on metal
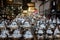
(54, 3)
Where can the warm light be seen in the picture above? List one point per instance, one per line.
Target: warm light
(24, 11)
(31, 4)
(31, 9)
(10, 0)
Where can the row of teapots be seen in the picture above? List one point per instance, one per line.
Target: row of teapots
(29, 33)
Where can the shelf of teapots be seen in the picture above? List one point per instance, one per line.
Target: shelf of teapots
(50, 21)
(46, 22)
(15, 24)
(28, 34)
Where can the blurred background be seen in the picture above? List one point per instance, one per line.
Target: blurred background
(29, 19)
(12, 8)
